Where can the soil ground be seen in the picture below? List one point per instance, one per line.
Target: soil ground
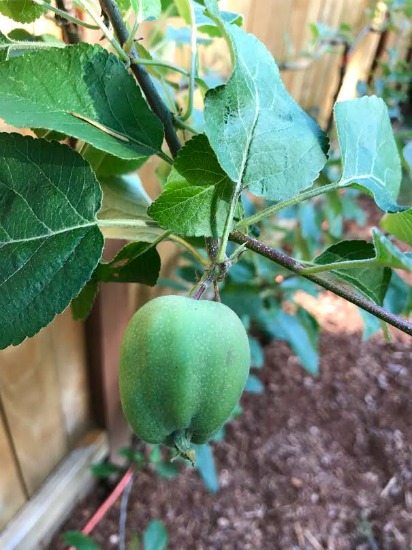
(311, 464)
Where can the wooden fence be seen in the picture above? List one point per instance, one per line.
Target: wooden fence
(284, 27)
(44, 408)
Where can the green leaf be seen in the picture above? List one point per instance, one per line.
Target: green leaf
(183, 9)
(207, 26)
(396, 299)
(301, 331)
(49, 239)
(19, 42)
(103, 470)
(82, 91)
(206, 466)
(4, 46)
(242, 298)
(132, 456)
(369, 154)
(167, 470)
(372, 281)
(399, 225)
(23, 11)
(407, 154)
(196, 198)
(105, 165)
(135, 263)
(50, 135)
(79, 541)
(254, 385)
(144, 9)
(155, 536)
(371, 324)
(256, 353)
(82, 305)
(388, 254)
(263, 140)
(124, 198)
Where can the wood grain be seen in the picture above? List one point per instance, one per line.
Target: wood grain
(69, 348)
(12, 495)
(30, 393)
(35, 524)
(105, 329)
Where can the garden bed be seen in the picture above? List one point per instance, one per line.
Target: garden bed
(310, 464)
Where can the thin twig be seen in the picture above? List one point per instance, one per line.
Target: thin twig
(274, 208)
(107, 33)
(143, 77)
(64, 15)
(291, 264)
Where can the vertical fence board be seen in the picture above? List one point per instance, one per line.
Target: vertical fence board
(70, 361)
(12, 495)
(105, 329)
(360, 65)
(324, 91)
(30, 394)
(313, 87)
(300, 36)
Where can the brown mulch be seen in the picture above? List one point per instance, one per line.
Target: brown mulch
(321, 463)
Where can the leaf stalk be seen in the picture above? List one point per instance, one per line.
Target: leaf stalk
(274, 208)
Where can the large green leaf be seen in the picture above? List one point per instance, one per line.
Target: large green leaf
(23, 11)
(196, 198)
(372, 281)
(49, 239)
(82, 91)
(399, 225)
(263, 140)
(369, 154)
(125, 199)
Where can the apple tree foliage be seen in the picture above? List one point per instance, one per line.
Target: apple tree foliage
(120, 106)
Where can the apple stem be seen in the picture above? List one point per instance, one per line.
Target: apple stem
(181, 440)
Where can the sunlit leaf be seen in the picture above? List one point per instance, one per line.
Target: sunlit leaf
(263, 140)
(82, 91)
(369, 153)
